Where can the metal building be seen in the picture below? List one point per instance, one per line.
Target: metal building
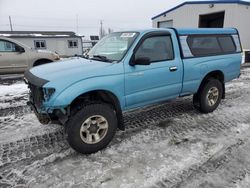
(64, 43)
(208, 14)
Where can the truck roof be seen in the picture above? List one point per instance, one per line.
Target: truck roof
(188, 31)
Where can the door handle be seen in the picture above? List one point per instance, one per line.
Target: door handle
(172, 69)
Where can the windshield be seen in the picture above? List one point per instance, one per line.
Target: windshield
(113, 47)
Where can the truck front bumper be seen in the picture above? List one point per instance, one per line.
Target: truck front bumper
(43, 118)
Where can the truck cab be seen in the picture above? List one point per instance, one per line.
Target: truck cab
(132, 69)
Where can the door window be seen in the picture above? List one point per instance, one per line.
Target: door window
(6, 46)
(156, 48)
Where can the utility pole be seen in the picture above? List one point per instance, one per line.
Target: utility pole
(77, 23)
(10, 24)
(102, 32)
(101, 29)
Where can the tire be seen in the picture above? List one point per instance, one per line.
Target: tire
(84, 127)
(209, 96)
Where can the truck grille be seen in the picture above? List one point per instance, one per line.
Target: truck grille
(36, 95)
(36, 88)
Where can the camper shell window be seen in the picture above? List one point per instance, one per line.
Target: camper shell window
(205, 45)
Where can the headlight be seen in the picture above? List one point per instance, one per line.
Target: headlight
(56, 56)
(47, 93)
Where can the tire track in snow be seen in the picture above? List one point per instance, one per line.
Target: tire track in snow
(225, 168)
(177, 132)
(180, 117)
(40, 144)
(134, 121)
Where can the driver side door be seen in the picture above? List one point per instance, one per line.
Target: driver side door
(160, 80)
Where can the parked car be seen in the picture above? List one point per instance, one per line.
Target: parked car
(127, 70)
(16, 57)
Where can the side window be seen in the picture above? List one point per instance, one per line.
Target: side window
(40, 44)
(6, 46)
(72, 43)
(227, 44)
(157, 48)
(203, 45)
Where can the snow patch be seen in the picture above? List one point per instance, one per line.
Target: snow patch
(13, 95)
(11, 90)
(14, 128)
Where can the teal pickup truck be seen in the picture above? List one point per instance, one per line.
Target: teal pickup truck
(131, 69)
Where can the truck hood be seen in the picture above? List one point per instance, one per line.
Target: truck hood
(73, 70)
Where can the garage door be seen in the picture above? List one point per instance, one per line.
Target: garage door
(164, 24)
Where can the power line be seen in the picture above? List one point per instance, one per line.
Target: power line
(87, 27)
(67, 19)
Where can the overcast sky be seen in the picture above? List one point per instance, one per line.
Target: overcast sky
(62, 14)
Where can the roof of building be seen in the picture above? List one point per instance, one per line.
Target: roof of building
(203, 2)
(38, 34)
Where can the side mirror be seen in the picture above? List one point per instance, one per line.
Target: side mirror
(20, 49)
(141, 61)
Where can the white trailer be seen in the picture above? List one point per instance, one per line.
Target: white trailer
(65, 44)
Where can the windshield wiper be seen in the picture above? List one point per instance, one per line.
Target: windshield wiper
(102, 58)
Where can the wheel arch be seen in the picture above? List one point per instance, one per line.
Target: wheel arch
(216, 74)
(41, 60)
(99, 96)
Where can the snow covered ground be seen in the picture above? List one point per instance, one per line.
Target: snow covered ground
(16, 119)
(166, 145)
(13, 95)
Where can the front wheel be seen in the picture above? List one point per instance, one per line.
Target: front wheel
(209, 97)
(92, 128)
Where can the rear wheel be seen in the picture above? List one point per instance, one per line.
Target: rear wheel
(92, 128)
(209, 96)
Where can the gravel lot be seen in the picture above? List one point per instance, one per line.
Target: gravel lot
(166, 145)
